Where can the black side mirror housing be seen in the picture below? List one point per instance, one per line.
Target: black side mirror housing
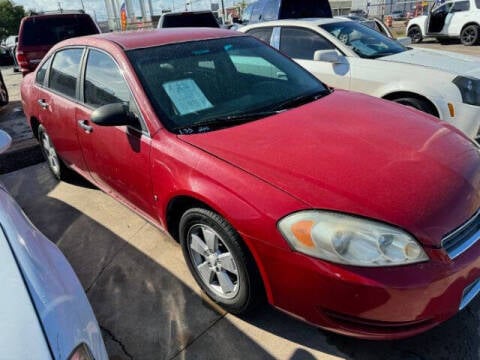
(116, 114)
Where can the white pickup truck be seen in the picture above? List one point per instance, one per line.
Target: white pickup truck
(446, 20)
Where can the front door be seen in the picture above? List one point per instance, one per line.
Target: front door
(117, 157)
(300, 44)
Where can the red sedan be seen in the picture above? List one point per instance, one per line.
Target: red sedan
(352, 213)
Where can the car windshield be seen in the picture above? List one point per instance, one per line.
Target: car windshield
(206, 85)
(364, 41)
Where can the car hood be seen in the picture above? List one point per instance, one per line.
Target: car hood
(458, 64)
(357, 154)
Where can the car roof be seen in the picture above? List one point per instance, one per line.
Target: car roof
(304, 22)
(129, 40)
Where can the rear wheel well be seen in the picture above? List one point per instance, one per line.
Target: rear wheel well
(468, 24)
(405, 94)
(34, 123)
(176, 208)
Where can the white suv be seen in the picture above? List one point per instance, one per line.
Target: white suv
(450, 19)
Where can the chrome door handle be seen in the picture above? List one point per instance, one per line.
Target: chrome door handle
(84, 125)
(42, 103)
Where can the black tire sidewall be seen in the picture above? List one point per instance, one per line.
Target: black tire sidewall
(415, 103)
(197, 216)
(417, 30)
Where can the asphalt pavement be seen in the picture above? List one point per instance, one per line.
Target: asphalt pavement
(147, 303)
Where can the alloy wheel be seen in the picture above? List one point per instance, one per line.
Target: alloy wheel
(50, 153)
(213, 261)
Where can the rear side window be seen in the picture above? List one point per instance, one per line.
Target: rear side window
(65, 71)
(477, 2)
(50, 30)
(461, 6)
(263, 34)
(301, 43)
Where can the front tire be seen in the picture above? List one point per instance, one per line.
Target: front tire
(55, 164)
(418, 104)
(219, 261)
(415, 34)
(469, 35)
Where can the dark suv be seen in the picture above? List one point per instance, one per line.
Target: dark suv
(38, 33)
(188, 19)
(267, 10)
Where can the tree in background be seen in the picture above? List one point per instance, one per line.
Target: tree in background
(10, 17)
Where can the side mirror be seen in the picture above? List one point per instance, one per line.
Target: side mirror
(5, 141)
(330, 56)
(405, 41)
(112, 115)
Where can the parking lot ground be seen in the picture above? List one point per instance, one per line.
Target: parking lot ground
(24, 150)
(454, 46)
(149, 306)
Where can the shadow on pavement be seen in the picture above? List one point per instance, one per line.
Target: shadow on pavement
(148, 312)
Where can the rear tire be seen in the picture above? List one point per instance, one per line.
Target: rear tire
(219, 261)
(418, 104)
(469, 35)
(55, 164)
(415, 34)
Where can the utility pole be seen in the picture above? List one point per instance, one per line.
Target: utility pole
(224, 13)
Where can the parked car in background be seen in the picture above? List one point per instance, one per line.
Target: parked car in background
(336, 206)
(452, 19)
(348, 55)
(11, 45)
(398, 15)
(3, 91)
(5, 57)
(188, 19)
(38, 33)
(359, 13)
(44, 312)
(267, 10)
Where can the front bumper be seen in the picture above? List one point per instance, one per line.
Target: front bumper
(371, 303)
(466, 117)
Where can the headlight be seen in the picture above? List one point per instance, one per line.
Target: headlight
(349, 240)
(469, 88)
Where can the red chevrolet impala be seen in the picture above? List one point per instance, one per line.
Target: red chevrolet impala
(355, 214)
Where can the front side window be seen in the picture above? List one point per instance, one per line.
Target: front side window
(218, 83)
(365, 42)
(301, 43)
(477, 3)
(65, 71)
(104, 84)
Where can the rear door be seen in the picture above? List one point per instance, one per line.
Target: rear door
(117, 157)
(56, 98)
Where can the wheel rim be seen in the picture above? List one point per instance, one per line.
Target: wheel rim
(213, 261)
(415, 35)
(50, 154)
(468, 36)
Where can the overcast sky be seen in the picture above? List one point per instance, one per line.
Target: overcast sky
(97, 7)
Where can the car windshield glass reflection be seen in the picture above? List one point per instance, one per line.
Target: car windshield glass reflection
(366, 42)
(206, 85)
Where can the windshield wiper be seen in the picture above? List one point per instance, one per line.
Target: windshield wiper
(300, 100)
(224, 121)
